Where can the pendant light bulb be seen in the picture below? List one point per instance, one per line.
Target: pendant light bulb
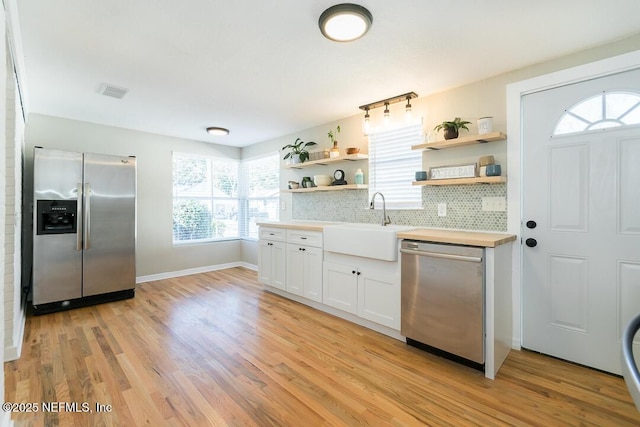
(407, 109)
(366, 124)
(387, 116)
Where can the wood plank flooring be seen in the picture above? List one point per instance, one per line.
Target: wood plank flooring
(215, 349)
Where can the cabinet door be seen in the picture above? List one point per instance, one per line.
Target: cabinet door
(265, 263)
(295, 269)
(313, 273)
(340, 287)
(271, 263)
(279, 272)
(379, 298)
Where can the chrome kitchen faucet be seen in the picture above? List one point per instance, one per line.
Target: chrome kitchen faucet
(385, 219)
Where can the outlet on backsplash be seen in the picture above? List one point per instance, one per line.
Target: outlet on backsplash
(442, 209)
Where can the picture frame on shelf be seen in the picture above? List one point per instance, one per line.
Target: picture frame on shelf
(452, 172)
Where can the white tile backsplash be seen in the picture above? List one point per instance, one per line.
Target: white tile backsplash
(464, 207)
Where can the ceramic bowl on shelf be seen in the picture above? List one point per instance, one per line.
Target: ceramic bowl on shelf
(352, 150)
(322, 180)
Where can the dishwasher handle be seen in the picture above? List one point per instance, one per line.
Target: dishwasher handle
(441, 255)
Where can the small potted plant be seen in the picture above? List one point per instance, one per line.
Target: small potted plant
(335, 151)
(451, 129)
(298, 151)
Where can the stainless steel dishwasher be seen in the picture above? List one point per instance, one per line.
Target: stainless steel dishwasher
(443, 299)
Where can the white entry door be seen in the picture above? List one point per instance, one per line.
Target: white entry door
(581, 218)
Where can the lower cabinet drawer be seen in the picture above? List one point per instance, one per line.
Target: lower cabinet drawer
(307, 238)
(276, 234)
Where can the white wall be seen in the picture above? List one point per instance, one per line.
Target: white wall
(4, 416)
(156, 253)
(13, 301)
(482, 98)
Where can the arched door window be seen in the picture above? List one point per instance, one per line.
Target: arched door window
(602, 111)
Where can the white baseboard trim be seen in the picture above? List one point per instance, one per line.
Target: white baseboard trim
(249, 266)
(385, 330)
(190, 271)
(516, 344)
(13, 352)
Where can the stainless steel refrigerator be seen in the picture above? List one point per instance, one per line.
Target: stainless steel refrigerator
(84, 236)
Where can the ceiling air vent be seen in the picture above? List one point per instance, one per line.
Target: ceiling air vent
(112, 91)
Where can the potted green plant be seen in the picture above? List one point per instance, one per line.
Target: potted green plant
(298, 151)
(335, 151)
(451, 128)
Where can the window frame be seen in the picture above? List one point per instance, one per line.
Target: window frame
(393, 138)
(246, 198)
(242, 197)
(589, 124)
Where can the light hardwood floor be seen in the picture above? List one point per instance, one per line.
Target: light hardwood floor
(215, 349)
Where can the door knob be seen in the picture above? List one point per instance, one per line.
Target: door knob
(532, 243)
(531, 224)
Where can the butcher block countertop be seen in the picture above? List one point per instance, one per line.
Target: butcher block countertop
(297, 225)
(458, 237)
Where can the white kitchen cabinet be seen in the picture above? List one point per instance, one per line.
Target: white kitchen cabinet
(295, 269)
(379, 297)
(304, 271)
(340, 287)
(304, 264)
(291, 260)
(313, 273)
(367, 288)
(271, 264)
(272, 258)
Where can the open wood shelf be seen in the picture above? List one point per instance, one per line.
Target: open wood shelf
(461, 181)
(461, 141)
(328, 188)
(323, 162)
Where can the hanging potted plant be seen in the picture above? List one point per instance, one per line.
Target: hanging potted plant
(298, 151)
(451, 129)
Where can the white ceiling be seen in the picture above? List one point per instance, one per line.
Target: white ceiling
(262, 68)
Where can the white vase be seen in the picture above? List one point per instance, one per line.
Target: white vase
(294, 158)
(485, 125)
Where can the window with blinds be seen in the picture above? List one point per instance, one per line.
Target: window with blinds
(219, 199)
(392, 166)
(260, 192)
(205, 198)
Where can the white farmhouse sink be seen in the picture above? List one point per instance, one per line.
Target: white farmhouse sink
(364, 240)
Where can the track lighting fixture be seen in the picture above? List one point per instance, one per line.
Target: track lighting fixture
(386, 114)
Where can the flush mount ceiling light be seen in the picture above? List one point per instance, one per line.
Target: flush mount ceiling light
(345, 22)
(218, 131)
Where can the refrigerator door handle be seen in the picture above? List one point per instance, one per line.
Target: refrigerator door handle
(86, 226)
(79, 218)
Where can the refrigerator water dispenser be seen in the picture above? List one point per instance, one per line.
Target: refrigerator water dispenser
(57, 216)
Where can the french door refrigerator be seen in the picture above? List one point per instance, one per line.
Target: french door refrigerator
(84, 236)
